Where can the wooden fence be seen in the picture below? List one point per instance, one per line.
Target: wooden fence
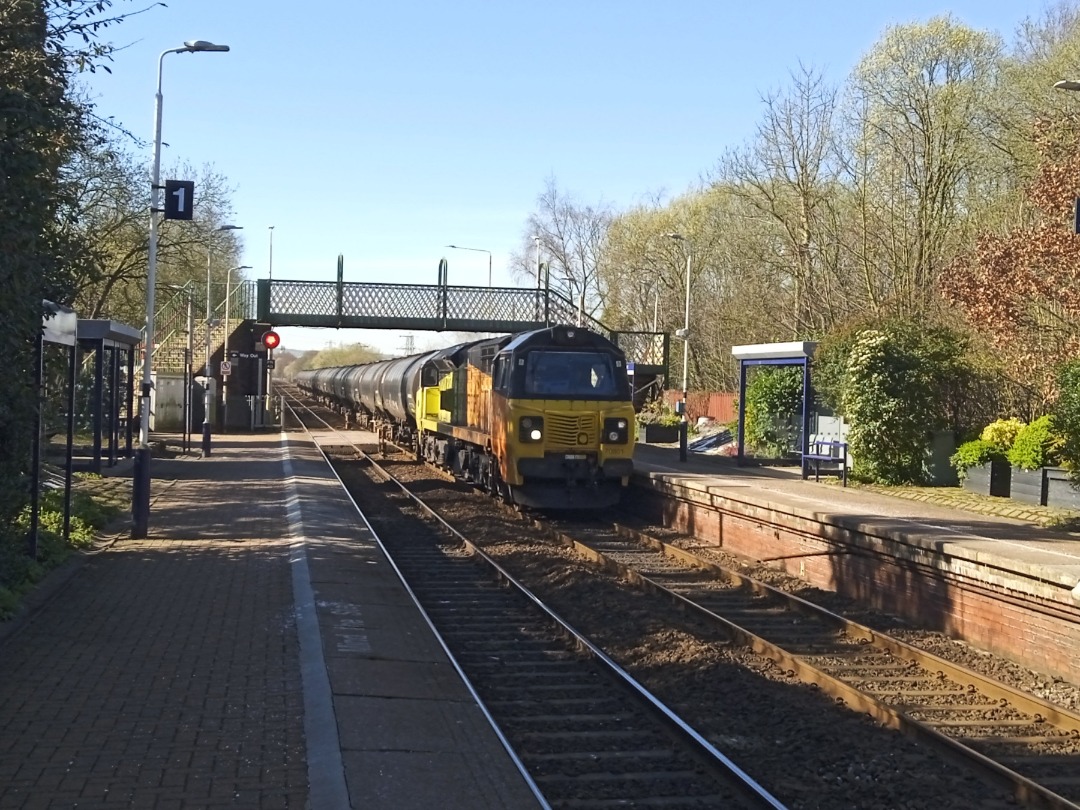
(718, 405)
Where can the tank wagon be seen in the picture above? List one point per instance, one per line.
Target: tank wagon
(543, 419)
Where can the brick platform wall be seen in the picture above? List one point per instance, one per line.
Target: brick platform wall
(992, 609)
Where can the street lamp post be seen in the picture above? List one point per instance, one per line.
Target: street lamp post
(140, 488)
(477, 250)
(684, 427)
(225, 377)
(209, 373)
(540, 304)
(536, 243)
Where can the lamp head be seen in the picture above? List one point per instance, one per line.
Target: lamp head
(197, 45)
(231, 228)
(678, 236)
(1066, 84)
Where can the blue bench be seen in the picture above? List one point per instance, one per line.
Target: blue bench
(822, 450)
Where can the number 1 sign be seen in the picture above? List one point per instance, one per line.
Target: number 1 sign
(179, 199)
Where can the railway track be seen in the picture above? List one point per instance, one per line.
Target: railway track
(590, 736)
(1025, 743)
(1028, 746)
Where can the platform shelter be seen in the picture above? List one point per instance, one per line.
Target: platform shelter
(107, 395)
(796, 353)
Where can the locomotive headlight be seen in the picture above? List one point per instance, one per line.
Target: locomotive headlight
(616, 430)
(531, 428)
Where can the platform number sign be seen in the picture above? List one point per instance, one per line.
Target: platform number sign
(179, 199)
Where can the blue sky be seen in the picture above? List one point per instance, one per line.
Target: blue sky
(385, 131)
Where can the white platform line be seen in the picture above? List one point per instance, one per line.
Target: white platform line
(326, 770)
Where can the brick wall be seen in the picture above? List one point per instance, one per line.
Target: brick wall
(989, 608)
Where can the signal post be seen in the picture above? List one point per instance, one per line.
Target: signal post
(270, 341)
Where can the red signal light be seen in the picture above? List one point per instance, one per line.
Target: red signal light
(271, 340)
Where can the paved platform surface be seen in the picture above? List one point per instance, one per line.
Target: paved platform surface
(1014, 542)
(256, 651)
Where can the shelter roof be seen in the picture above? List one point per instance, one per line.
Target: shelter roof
(775, 351)
(112, 333)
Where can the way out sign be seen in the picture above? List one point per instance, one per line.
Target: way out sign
(179, 199)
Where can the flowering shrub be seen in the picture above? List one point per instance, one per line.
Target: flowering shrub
(1037, 445)
(1002, 433)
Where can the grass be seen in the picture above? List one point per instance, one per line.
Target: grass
(95, 503)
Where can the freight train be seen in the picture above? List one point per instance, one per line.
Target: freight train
(543, 419)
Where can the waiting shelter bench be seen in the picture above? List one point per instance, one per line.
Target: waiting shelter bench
(827, 450)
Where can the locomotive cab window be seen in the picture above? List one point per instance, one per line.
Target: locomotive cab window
(501, 376)
(570, 375)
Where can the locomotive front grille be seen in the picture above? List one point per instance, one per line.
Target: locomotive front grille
(568, 430)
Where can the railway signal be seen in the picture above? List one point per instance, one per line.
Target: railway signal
(271, 340)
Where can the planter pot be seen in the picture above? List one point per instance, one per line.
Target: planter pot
(1028, 486)
(660, 434)
(1059, 491)
(989, 479)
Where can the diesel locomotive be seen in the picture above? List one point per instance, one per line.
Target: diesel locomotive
(543, 419)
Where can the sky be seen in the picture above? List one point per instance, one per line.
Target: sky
(386, 131)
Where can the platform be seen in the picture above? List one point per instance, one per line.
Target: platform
(256, 650)
(1000, 582)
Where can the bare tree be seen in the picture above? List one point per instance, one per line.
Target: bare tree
(919, 144)
(787, 176)
(107, 203)
(572, 237)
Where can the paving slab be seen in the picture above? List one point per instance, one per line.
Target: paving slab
(223, 659)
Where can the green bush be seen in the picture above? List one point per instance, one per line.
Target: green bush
(889, 401)
(830, 366)
(960, 388)
(1067, 417)
(1002, 433)
(974, 454)
(773, 396)
(1037, 445)
(18, 571)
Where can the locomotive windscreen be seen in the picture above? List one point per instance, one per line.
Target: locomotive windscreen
(584, 375)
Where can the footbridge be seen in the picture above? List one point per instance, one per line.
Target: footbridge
(442, 307)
